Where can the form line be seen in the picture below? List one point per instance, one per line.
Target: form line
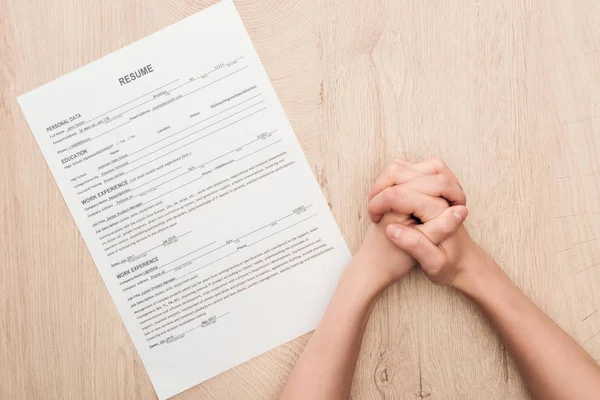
(231, 151)
(143, 184)
(200, 326)
(154, 98)
(191, 252)
(206, 265)
(194, 91)
(269, 145)
(139, 105)
(204, 120)
(194, 259)
(164, 183)
(229, 64)
(206, 162)
(154, 248)
(193, 133)
(131, 101)
(266, 237)
(220, 247)
(195, 140)
(235, 251)
(177, 188)
(96, 137)
(215, 81)
(264, 226)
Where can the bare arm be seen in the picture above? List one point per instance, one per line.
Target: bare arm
(553, 365)
(326, 367)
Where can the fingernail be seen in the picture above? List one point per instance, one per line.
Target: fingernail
(459, 215)
(396, 230)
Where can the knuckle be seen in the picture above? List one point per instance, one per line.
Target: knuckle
(443, 180)
(431, 270)
(435, 160)
(388, 198)
(437, 268)
(388, 195)
(394, 168)
(440, 162)
(396, 193)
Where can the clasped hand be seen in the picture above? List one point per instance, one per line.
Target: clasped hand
(417, 210)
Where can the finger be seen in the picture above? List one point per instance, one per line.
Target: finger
(400, 171)
(396, 173)
(435, 165)
(438, 185)
(414, 243)
(405, 201)
(444, 225)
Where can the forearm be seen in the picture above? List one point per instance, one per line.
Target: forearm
(326, 367)
(552, 364)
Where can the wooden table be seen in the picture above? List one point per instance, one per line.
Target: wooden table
(507, 92)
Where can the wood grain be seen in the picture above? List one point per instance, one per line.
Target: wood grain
(507, 92)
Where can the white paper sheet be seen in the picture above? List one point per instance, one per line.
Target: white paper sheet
(193, 196)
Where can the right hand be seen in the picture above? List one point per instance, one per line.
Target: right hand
(446, 263)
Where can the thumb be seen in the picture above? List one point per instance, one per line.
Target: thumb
(444, 225)
(422, 247)
(417, 245)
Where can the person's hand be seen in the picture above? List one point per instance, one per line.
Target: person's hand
(442, 256)
(417, 199)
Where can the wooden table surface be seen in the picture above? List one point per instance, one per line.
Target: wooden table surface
(507, 92)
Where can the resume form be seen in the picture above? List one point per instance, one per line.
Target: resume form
(193, 196)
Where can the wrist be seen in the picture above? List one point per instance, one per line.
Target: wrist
(360, 279)
(477, 271)
(378, 262)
